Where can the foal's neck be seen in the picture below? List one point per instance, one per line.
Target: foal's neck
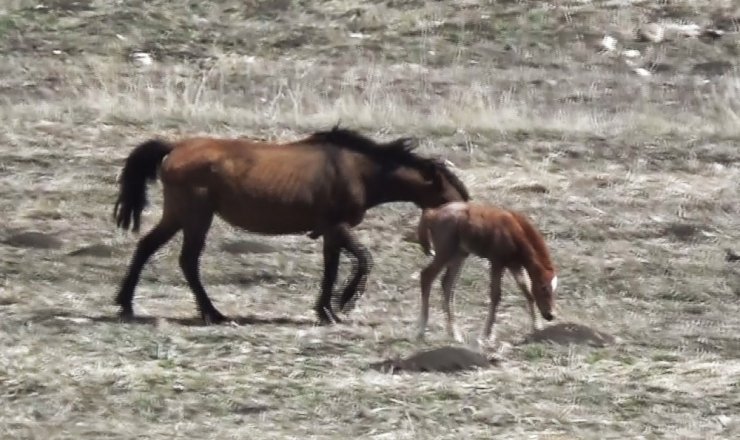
(534, 267)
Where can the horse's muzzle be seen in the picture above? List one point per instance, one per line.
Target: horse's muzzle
(548, 316)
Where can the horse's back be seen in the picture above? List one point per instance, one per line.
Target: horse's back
(240, 162)
(259, 186)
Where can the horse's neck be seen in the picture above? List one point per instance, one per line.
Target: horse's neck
(384, 190)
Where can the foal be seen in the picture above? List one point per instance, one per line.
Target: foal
(506, 238)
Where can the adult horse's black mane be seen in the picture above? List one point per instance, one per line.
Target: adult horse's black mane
(396, 152)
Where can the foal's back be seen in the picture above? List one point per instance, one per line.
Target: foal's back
(492, 232)
(483, 230)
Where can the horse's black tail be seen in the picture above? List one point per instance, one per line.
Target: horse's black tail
(141, 165)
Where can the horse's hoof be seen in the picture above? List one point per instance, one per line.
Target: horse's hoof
(328, 318)
(126, 315)
(214, 318)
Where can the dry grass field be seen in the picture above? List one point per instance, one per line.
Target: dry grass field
(631, 174)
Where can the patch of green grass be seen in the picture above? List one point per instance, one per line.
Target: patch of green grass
(536, 352)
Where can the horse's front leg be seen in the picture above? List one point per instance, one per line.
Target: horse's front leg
(323, 308)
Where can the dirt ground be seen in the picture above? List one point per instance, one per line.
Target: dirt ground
(632, 175)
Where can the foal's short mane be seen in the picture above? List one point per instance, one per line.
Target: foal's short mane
(535, 239)
(396, 152)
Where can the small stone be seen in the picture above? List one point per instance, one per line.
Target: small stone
(642, 72)
(631, 53)
(608, 43)
(142, 59)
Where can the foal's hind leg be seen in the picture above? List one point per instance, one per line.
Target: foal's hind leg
(194, 239)
(147, 246)
(448, 289)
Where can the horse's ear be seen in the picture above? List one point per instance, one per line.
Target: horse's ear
(405, 143)
(433, 174)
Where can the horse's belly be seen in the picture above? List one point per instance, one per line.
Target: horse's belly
(269, 218)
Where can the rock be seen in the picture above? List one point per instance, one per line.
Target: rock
(33, 239)
(713, 68)
(712, 34)
(94, 250)
(537, 188)
(445, 360)
(571, 333)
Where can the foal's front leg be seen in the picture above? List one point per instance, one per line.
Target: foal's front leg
(496, 273)
(448, 301)
(525, 285)
(426, 280)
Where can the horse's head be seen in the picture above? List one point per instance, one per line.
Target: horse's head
(428, 183)
(543, 291)
(443, 186)
(394, 172)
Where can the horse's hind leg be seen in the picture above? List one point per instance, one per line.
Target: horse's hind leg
(194, 240)
(147, 246)
(361, 267)
(323, 308)
(448, 301)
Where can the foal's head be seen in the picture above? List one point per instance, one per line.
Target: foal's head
(544, 279)
(543, 290)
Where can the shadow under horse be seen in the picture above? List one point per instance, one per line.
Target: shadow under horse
(321, 185)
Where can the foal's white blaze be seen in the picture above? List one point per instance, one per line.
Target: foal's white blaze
(554, 283)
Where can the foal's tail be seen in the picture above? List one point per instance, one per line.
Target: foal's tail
(141, 165)
(422, 232)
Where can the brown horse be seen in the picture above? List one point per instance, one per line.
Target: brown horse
(506, 238)
(321, 185)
